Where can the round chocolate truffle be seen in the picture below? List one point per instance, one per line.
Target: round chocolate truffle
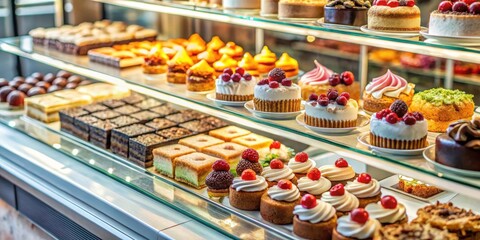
(15, 84)
(24, 87)
(71, 85)
(36, 91)
(4, 91)
(37, 75)
(19, 79)
(54, 88)
(245, 164)
(3, 82)
(31, 80)
(43, 84)
(75, 79)
(49, 77)
(219, 180)
(16, 98)
(63, 74)
(60, 81)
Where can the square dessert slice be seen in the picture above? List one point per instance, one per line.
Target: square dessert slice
(140, 148)
(120, 137)
(199, 142)
(193, 168)
(91, 108)
(67, 117)
(230, 152)
(145, 116)
(254, 141)
(164, 110)
(81, 126)
(160, 123)
(149, 103)
(163, 158)
(215, 122)
(197, 126)
(229, 133)
(134, 98)
(185, 116)
(127, 109)
(104, 91)
(113, 103)
(175, 133)
(45, 107)
(100, 133)
(123, 121)
(107, 114)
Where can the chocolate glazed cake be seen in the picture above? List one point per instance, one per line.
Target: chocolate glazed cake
(346, 12)
(460, 146)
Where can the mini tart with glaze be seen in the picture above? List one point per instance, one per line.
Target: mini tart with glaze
(314, 219)
(313, 183)
(225, 62)
(278, 203)
(382, 91)
(340, 172)
(178, 67)
(356, 225)
(365, 188)
(232, 50)
(301, 164)
(331, 111)
(209, 56)
(246, 191)
(400, 18)
(200, 77)
(219, 180)
(156, 61)
(388, 211)
(340, 199)
(278, 171)
(249, 64)
(266, 60)
(237, 87)
(441, 107)
(288, 64)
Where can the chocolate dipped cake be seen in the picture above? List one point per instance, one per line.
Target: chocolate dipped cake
(346, 12)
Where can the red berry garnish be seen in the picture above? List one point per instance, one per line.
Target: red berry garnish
(364, 178)
(225, 77)
(381, 3)
(240, 71)
(323, 101)
(468, 2)
(341, 163)
(263, 82)
(308, 201)
(409, 119)
(314, 174)
(346, 95)
(228, 71)
(389, 202)
(276, 74)
(249, 175)
(418, 116)
(392, 118)
(393, 3)
(313, 97)
(460, 7)
(342, 101)
(474, 8)
(220, 165)
(347, 78)
(410, 3)
(445, 6)
(359, 215)
(236, 77)
(250, 155)
(337, 190)
(276, 145)
(332, 95)
(379, 115)
(334, 79)
(323, 95)
(287, 82)
(284, 184)
(301, 157)
(276, 164)
(247, 76)
(399, 107)
(274, 84)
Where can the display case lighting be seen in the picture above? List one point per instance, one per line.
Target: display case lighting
(92, 161)
(75, 152)
(57, 145)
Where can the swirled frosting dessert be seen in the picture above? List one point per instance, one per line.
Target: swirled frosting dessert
(266, 60)
(460, 146)
(365, 188)
(249, 64)
(341, 172)
(277, 94)
(341, 200)
(382, 91)
(225, 62)
(156, 61)
(178, 67)
(278, 203)
(276, 150)
(289, 65)
(301, 164)
(321, 79)
(278, 171)
(441, 107)
(314, 183)
(235, 87)
(314, 219)
(219, 180)
(332, 110)
(357, 225)
(200, 77)
(388, 211)
(246, 191)
(396, 128)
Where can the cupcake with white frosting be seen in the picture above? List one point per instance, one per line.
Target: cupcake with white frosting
(313, 183)
(278, 171)
(331, 110)
(278, 203)
(235, 87)
(314, 219)
(388, 211)
(341, 172)
(365, 188)
(357, 225)
(340, 199)
(247, 190)
(301, 164)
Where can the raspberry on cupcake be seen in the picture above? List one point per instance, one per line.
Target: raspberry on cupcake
(365, 188)
(246, 191)
(279, 201)
(249, 161)
(278, 171)
(301, 164)
(235, 86)
(341, 172)
(219, 180)
(340, 199)
(314, 219)
(388, 211)
(357, 225)
(313, 183)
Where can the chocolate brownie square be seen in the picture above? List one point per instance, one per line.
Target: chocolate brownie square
(113, 103)
(149, 103)
(217, 123)
(197, 126)
(100, 133)
(81, 126)
(107, 114)
(185, 116)
(121, 136)
(141, 147)
(123, 121)
(127, 109)
(134, 98)
(164, 110)
(145, 116)
(160, 123)
(175, 133)
(67, 117)
(94, 108)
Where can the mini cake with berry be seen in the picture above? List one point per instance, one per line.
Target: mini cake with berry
(301, 164)
(332, 110)
(246, 191)
(357, 225)
(178, 67)
(365, 188)
(277, 94)
(278, 203)
(321, 79)
(266, 61)
(382, 91)
(314, 183)
(219, 180)
(249, 161)
(341, 172)
(396, 128)
(340, 199)
(352, 13)
(394, 15)
(278, 171)
(388, 211)
(235, 87)
(314, 219)
(455, 19)
(249, 64)
(156, 61)
(200, 77)
(276, 150)
(289, 65)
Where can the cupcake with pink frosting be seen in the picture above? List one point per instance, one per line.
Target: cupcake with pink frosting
(388, 211)
(357, 225)
(321, 79)
(382, 91)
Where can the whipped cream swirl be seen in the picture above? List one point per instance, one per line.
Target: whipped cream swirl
(256, 185)
(318, 76)
(385, 215)
(390, 85)
(345, 203)
(348, 228)
(242, 88)
(315, 187)
(287, 195)
(275, 175)
(320, 213)
(301, 167)
(363, 190)
(281, 153)
(333, 173)
(465, 132)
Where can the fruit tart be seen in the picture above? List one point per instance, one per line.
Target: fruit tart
(365, 188)
(235, 86)
(340, 199)
(249, 161)
(266, 61)
(388, 211)
(278, 203)
(178, 67)
(332, 110)
(301, 164)
(156, 61)
(219, 180)
(340, 172)
(314, 219)
(224, 62)
(289, 65)
(278, 171)
(314, 183)
(246, 191)
(249, 64)
(357, 225)
(200, 77)
(416, 187)
(233, 50)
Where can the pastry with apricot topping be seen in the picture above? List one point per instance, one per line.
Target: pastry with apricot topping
(266, 61)
(178, 66)
(249, 64)
(225, 62)
(200, 77)
(156, 61)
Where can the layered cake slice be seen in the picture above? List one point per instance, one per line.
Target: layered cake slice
(193, 168)
(67, 117)
(254, 141)
(229, 133)
(81, 126)
(230, 152)
(163, 158)
(199, 142)
(160, 123)
(100, 133)
(120, 137)
(140, 148)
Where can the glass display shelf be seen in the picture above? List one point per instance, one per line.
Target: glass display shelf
(346, 145)
(449, 51)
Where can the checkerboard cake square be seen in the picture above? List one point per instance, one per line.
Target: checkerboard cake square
(254, 141)
(81, 126)
(160, 123)
(145, 116)
(107, 114)
(164, 110)
(193, 168)
(199, 142)
(140, 148)
(100, 132)
(120, 137)
(148, 104)
(163, 158)
(67, 117)
(230, 152)
(127, 109)
(229, 133)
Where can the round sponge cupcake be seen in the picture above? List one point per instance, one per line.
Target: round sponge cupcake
(277, 94)
(236, 86)
(331, 111)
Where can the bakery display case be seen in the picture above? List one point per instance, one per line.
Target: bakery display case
(154, 109)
